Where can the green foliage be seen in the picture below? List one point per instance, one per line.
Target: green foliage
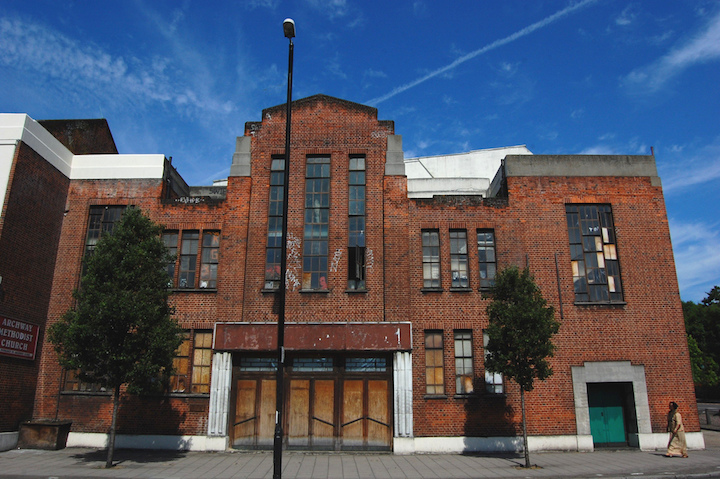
(520, 330)
(702, 324)
(704, 368)
(121, 330)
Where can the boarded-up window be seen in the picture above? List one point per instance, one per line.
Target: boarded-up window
(434, 371)
(202, 357)
(593, 254)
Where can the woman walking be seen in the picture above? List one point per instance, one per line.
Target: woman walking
(677, 445)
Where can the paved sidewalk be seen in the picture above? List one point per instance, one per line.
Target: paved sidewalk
(86, 463)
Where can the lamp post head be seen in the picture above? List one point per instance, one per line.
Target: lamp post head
(289, 27)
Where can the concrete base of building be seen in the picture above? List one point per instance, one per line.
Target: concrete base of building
(8, 440)
(173, 443)
(401, 445)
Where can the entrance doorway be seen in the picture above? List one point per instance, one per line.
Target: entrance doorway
(610, 406)
(331, 403)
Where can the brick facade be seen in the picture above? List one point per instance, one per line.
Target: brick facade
(645, 330)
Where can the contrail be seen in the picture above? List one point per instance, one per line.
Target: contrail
(497, 43)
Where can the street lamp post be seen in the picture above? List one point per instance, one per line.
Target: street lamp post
(289, 31)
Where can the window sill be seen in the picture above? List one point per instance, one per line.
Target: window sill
(310, 291)
(601, 303)
(466, 396)
(178, 394)
(356, 291)
(86, 393)
(431, 290)
(435, 396)
(193, 290)
(461, 290)
(269, 291)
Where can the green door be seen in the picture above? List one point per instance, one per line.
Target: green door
(607, 420)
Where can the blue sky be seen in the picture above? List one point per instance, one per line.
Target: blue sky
(562, 77)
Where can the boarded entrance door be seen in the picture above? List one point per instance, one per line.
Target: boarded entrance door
(311, 417)
(254, 424)
(366, 414)
(607, 418)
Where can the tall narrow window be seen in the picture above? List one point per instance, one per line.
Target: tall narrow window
(486, 258)
(202, 357)
(356, 223)
(434, 371)
(463, 362)
(317, 208)
(493, 381)
(459, 258)
(275, 219)
(170, 239)
(209, 259)
(179, 382)
(188, 259)
(593, 254)
(101, 220)
(431, 258)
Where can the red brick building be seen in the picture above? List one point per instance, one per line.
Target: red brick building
(389, 263)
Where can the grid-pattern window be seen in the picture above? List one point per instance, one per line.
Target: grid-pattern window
(593, 253)
(356, 223)
(431, 258)
(434, 371)
(209, 259)
(170, 239)
(73, 383)
(193, 249)
(486, 258)
(273, 249)
(188, 259)
(317, 210)
(493, 381)
(463, 362)
(179, 381)
(202, 358)
(192, 376)
(101, 220)
(459, 258)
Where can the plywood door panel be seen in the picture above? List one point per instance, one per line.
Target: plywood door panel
(266, 413)
(245, 413)
(323, 413)
(378, 427)
(299, 413)
(352, 416)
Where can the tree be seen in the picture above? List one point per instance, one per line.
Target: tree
(120, 331)
(702, 324)
(519, 334)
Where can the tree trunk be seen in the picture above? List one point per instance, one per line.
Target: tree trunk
(525, 444)
(111, 440)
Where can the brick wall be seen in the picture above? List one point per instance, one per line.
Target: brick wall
(29, 233)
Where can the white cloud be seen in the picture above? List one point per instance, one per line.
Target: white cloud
(492, 46)
(696, 248)
(681, 174)
(88, 67)
(626, 17)
(705, 46)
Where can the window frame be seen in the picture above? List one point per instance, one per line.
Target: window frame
(193, 360)
(273, 245)
(431, 259)
(196, 259)
(594, 257)
(434, 362)
(316, 224)
(464, 370)
(459, 259)
(494, 382)
(487, 267)
(357, 221)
